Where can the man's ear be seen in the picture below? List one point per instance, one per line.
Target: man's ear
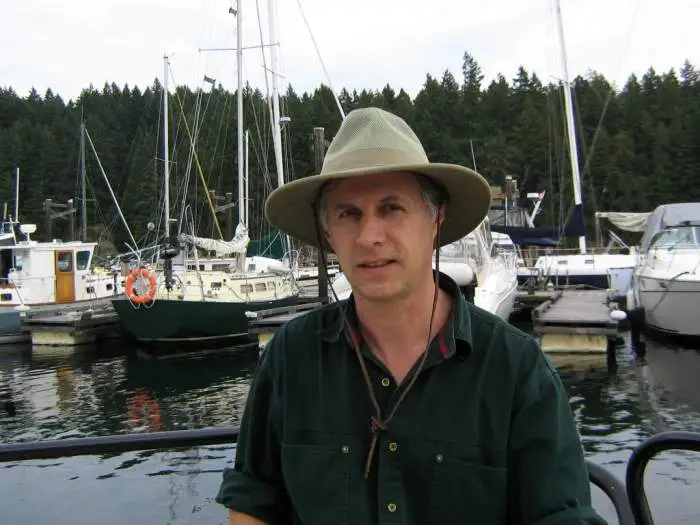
(440, 215)
(439, 219)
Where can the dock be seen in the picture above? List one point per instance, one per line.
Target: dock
(68, 324)
(264, 323)
(577, 321)
(73, 328)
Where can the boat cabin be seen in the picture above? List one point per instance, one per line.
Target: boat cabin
(56, 272)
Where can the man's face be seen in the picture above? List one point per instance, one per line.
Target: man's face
(383, 234)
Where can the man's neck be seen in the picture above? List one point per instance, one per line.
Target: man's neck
(399, 327)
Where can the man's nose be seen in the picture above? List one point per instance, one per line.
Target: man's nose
(371, 230)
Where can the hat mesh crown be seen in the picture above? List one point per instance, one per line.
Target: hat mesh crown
(373, 130)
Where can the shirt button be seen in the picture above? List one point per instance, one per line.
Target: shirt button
(391, 507)
(345, 449)
(393, 446)
(438, 458)
(386, 382)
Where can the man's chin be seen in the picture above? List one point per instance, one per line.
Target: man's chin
(379, 292)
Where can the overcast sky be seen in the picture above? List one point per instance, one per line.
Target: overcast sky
(68, 44)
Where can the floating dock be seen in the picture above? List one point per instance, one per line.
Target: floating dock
(73, 328)
(577, 321)
(264, 323)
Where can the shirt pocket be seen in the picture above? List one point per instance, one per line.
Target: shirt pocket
(465, 490)
(317, 478)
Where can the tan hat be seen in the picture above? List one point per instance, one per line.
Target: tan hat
(372, 141)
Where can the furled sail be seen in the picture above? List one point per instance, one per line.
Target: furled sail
(239, 243)
(627, 221)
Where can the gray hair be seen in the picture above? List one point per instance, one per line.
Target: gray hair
(433, 194)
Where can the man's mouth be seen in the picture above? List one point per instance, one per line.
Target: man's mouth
(376, 264)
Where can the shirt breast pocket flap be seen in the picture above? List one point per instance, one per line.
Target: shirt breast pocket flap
(316, 474)
(467, 486)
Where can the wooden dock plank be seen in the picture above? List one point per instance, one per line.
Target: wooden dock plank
(575, 321)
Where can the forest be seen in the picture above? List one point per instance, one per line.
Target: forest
(637, 143)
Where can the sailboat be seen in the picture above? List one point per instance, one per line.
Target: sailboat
(205, 300)
(591, 270)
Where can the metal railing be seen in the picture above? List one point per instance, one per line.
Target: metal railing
(630, 504)
(639, 460)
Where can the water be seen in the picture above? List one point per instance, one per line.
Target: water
(57, 394)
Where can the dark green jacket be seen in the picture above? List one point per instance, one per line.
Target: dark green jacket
(485, 436)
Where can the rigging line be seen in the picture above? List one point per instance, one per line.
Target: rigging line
(188, 170)
(320, 58)
(265, 72)
(611, 92)
(197, 128)
(109, 187)
(188, 178)
(199, 168)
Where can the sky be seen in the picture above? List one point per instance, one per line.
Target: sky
(70, 44)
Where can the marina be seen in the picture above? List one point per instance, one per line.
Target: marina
(139, 287)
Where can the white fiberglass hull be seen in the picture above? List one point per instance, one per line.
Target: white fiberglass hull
(670, 305)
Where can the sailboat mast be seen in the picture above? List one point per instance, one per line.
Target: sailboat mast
(276, 125)
(573, 149)
(16, 217)
(247, 174)
(83, 201)
(239, 103)
(166, 161)
(274, 60)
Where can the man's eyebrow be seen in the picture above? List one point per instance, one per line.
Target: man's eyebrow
(383, 200)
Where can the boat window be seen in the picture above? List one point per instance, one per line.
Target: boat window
(246, 288)
(462, 250)
(17, 265)
(455, 251)
(260, 287)
(82, 259)
(681, 237)
(64, 261)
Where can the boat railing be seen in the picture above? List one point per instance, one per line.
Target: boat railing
(630, 502)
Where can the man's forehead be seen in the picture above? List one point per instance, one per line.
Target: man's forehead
(395, 184)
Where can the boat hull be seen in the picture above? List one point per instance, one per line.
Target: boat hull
(670, 306)
(175, 321)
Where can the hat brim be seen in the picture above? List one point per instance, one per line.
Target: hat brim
(290, 207)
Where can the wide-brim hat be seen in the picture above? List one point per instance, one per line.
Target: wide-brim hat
(373, 141)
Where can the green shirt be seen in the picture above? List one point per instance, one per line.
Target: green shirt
(485, 435)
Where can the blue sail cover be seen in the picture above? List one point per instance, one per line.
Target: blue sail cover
(525, 235)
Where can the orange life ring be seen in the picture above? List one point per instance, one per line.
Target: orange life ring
(152, 286)
(143, 410)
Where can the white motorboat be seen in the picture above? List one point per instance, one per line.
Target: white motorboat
(666, 282)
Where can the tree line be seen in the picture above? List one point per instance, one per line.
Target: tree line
(638, 144)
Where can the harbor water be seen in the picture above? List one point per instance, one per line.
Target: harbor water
(58, 393)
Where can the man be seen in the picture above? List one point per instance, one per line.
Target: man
(405, 404)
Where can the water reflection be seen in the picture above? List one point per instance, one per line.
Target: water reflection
(99, 391)
(108, 391)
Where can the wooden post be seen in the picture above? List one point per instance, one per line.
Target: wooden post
(321, 259)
